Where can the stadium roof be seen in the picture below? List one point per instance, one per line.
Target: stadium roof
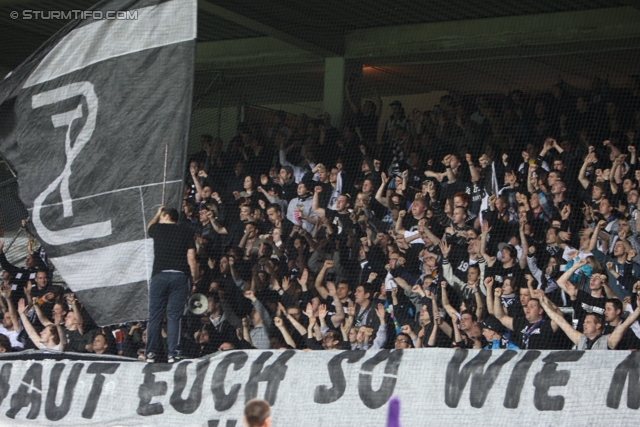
(410, 46)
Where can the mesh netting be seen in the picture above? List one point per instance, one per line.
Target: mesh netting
(413, 176)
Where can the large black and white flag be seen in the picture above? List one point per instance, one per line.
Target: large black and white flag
(84, 122)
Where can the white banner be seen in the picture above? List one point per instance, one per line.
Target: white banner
(330, 388)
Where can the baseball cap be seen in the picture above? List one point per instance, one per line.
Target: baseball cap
(493, 324)
(509, 247)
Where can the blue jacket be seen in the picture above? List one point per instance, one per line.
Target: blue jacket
(495, 345)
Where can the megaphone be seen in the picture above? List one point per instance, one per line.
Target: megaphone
(198, 304)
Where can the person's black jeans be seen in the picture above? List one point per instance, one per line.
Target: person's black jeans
(168, 293)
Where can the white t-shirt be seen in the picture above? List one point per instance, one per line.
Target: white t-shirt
(13, 336)
(44, 347)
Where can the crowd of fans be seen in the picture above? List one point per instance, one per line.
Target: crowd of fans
(486, 222)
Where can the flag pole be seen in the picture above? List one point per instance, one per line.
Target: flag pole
(164, 178)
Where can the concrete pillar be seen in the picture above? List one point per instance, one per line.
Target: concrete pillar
(333, 102)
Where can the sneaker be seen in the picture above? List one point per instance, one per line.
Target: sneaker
(174, 359)
(150, 358)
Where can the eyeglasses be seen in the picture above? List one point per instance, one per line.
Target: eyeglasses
(401, 340)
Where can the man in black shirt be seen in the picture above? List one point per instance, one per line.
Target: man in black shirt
(612, 317)
(340, 218)
(585, 303)
(174, 262)
(418, 211)
(21, 275)
(533, 332)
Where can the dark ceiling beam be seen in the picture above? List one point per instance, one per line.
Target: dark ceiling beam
(251, 53)
(631, 3)
(264, 29)
(541, 32)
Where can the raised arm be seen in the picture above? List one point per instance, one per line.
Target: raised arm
(615, 151)
(483, 244)
(555, 316)
(457, 337)
(432, 237)
(563, 280)
(243, 242)
(301, 330)
(529, 279)
(6, 293)
(156, 218)
(498, 311)
(447, 164)
(488, 284)
(41, 317)
(617, 334)
(617, 174)
(546, 147)
(347, 92)
(398, 226)
(402, 283)
(381, 335)
(196, 181)
(475, 175)
(313, 244)
(608, 291)
(405, 177)
(245, 331)
(312, 324)
(525, 246)
(582, 175)
(447, 271)
(593, 243)
(2, 304)
(315, 204)
(322, 291)
(33, 335)
(232, 267)
(531, 180)
(57, 319)
(479, 300)
(380, 194)
(285, 333)
(262, 312)
(302, 281)
(339, 316)
(445, 300)
(77, 313)
(214, 221)
(532, 262)
(443, 326)
(615, 169)
(345, 328)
